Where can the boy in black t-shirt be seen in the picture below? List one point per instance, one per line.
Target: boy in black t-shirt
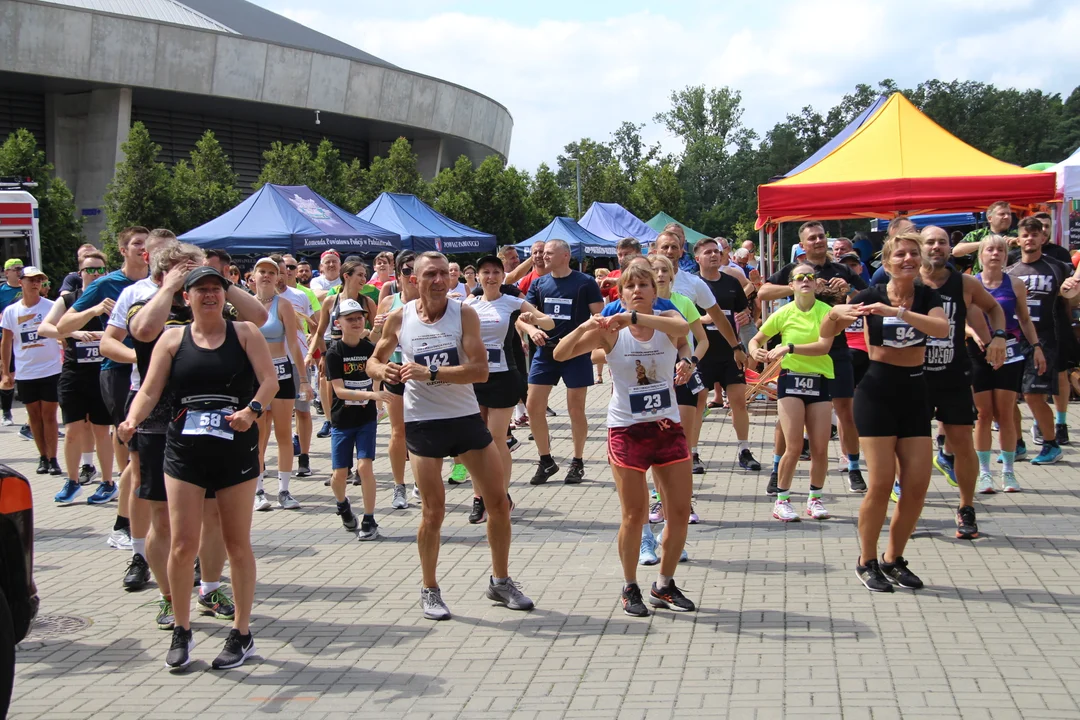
(354, 417)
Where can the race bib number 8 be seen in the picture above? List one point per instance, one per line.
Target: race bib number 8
(559, 308)
(208, 422)
(649, 401)
(896, 333)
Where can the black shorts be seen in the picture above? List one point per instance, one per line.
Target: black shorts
(1047, 383)
(209, 462)
(394, 388)
(723, 371)
(688, 393)
(891, 402)
(447, 437)
(985, 378)
(860, 362)
(39, 390)
(842, 384)
(810, 388)
(287, 386)
(115, 383)
(1068, 349)
(950, 398)
(80, 399)
(500, 391)
(151, 449)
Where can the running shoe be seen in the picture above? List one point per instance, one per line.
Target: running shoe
(354, 478)
(165, 619)
(369, 530)
(262, 503)
(576, 474)
(512, 443)
(683, 556)
(218, 604)
(551, 413)
(458, 476)
(895, 495)
(43, 466)
(747, 461)
(198, 572)
(898, 574)
(479, 512)
(7, 420)
(432, 604)
(697, 467)
(179, 656)
(805, 454)
(87, 474)
(383, 414)
(656, 512)
(69, 492)
(871, 576)
(120, 539)
(856, 484)
(318, 407)
(694, 519)
(326, 482)
(60, 432)
(401, 499)
(25, 434)
(1049, 454)
(966, 527)
(237, 649)
(303, 465)
(54, 468)
(349, 520)
(286, 501)
(1008, 482)
(416, 494)
(783, 511)
(295, 444)
(834, 434)
(945, 468)
(1021, 449)
(772, 489)
(671, 598)
(816, 509)
(632, 602)
(510, 502)
(647, 553)
(105, 492)
(1036, 434)
(543, 472)
(985, 484)
(1061, 434)
(654, 496)
(137, 575)
(508, 594)
(324, 431)
(521, 421)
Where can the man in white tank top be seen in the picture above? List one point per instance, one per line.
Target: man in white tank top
(442, 356)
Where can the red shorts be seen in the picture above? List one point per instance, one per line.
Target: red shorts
(647, 444)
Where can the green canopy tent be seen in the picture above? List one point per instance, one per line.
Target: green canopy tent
(661, 219)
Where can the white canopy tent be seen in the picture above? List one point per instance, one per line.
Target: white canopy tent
(1067, 222)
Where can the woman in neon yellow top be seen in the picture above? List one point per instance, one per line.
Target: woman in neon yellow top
(803, 387)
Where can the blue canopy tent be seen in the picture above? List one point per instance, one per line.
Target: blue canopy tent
(290, 219)
(612, 221)
(582, 243)
(945, 220)
(422, 228)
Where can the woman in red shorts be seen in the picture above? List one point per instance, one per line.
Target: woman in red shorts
(647, 355)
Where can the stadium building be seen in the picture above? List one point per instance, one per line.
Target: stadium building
(78, 73)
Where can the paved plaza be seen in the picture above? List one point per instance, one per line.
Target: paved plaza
(784, 628)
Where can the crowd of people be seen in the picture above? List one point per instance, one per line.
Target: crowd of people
(176, 368)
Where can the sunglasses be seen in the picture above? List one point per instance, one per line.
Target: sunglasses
(290, 267)
(798, 277)
(95, 270)
(407, 270)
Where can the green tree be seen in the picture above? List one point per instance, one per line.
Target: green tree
(60, 226)
(630, 149)
(602, 177)
(396, 173)
(286, 165)
(452, 192)
(657, 189)
(546, 200)
(205, 188)
(140, 192)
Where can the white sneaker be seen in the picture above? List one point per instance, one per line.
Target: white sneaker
(286, 501)
(416, 493)
(262, 503)
(816, 509)
(783, 511)
(1008, 482)
(985, 484)
(401, 499)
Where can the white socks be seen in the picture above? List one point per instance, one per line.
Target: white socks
(283, 478)
(258, 484)
(138, 547)
(205, 588)
(88, 458)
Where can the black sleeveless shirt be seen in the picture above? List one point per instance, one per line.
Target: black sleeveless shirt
(946, 358)
(894, 332)
(82, 359)
(211, 379)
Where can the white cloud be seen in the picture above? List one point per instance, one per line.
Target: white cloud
(566, 79)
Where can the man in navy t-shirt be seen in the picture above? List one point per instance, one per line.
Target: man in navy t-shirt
(569, 298)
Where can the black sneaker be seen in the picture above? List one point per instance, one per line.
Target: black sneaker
(897, 573)
(43, 466)
(632, 602)
(772, 488)
(543, 472)
(856, 484)
(348, 519)
(966, 528)
(697, 467)
(805, 454)
(1061, 434)
(747, 461)
(303, 466)
(318, 407)
(180, 650)
(834, 434)
(479, 512)
(238, 648)
(672, 598)
(54, 467)
(198, 572)
(87, 473)
(138, 573)
(871, 577)
(355, 478)
(576, 473)
(512, 443)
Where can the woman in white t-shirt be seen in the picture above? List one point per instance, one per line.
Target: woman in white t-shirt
(38, 362)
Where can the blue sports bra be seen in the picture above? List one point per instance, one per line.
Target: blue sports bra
(273, 330)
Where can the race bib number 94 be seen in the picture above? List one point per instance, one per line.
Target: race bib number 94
(898, 334)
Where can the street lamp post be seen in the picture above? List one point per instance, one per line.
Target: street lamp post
(578, 161)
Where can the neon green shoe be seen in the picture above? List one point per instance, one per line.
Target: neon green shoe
(458, 475)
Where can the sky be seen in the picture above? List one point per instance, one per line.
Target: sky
(567, 70)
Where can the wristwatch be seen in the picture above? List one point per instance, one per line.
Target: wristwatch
(633, 317)
(256, 407)
(791, 348)
(694, 359)
(999, 334)
(434, 370)
(738, 346)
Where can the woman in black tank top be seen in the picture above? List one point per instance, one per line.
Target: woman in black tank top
(221, 375)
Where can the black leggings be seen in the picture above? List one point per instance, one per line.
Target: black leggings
(7, 397)
(891, 401)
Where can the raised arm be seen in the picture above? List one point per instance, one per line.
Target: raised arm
(534, 317)
(48, 325)
(113, 347)
(583, 339)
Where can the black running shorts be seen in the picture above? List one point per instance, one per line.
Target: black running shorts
(80, 399)
(39, 390)
(501, 390)
(209, 462)
(950, 398)
(115, 383)
(891, 402)
(447, 437)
